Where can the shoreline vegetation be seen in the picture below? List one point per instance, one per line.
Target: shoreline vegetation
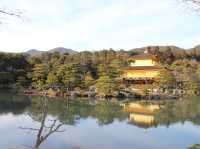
(98, 74)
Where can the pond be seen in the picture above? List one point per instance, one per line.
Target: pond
(41, 123)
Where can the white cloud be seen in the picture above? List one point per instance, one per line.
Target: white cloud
(95, 24)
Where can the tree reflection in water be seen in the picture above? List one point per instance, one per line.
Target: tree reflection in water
(71, 112)
(166, 113)
(13, 104)
(45, 130)
(180, 111)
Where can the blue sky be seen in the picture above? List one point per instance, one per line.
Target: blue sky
(98, 24)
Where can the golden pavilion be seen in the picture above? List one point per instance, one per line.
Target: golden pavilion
(142, 69)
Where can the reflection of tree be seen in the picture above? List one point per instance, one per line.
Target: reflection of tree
(69, 112)
(13, 103)
(180, 111)
(44, 131)
(170, 112)
(106, 113)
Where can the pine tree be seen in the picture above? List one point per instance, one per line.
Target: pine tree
(105, 86)
(52, 80)
(40, 72)
(88, 80)
(165, 80)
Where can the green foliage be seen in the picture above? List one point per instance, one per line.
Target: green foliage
(165, 79)
(6, 78)
(22, 81)
(40, 72)
(84, 69)
(181, 111)
(106, 86)
(198, 71)
(70, 75)
(52, 79)
(195, 146)
(13, 67)
(191, 80)
(65, 71)
(88, 80)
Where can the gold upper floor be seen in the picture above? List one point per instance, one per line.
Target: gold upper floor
(143, 60)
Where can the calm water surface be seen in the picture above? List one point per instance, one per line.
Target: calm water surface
(86, 124)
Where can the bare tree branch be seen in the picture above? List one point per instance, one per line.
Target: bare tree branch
(16, 14)
(5, 14)
(195, 1)
(194, 4)
(26, 128)
(42, 135)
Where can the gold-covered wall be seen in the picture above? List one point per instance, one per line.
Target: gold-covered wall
(141, 73)
(145, 62)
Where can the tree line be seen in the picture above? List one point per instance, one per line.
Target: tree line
(64, 71)
(100, 70)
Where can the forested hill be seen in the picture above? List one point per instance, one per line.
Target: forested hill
(61, 50)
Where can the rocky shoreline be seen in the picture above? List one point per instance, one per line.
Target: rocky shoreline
(53, 93)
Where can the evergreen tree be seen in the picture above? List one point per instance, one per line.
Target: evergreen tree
(165, 80)
(191, 81)
(52, 80)
(40, 72)
(88, 80)
(22, 81)
(106, 86)
(70, 75)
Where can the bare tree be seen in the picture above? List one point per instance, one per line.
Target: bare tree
(5, 14)
(10, 13)
(197, 2)
(44, 131)
(194, 4)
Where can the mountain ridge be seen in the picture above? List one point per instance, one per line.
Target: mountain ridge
(151, 48)
(61, 50)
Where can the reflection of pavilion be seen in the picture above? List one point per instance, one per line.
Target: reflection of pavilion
(141, 114)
